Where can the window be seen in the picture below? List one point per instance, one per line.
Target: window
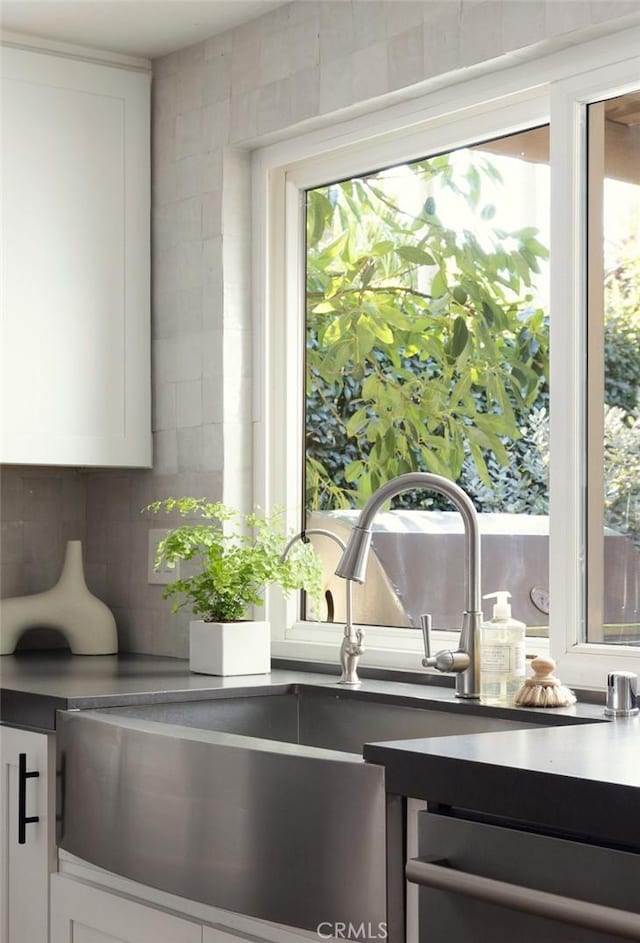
(427, 350)
(613, 433)
(317, 291)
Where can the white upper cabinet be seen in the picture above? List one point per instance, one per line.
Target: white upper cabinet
(75, 330)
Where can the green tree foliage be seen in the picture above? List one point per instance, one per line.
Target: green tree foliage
(622, 328)
(521, 487)
(622, 472)
(425, 347)
(622, 385)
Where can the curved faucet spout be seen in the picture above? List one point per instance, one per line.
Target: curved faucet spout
(354, 560)
(353, 565)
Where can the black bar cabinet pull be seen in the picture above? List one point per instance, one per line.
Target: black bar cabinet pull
(23, 818)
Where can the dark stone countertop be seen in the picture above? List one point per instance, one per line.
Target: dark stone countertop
(580, 781)
(576, 774)
(33, 686)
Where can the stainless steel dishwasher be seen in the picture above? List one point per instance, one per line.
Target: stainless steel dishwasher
(481, 881)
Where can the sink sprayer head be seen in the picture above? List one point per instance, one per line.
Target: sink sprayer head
(353, 564)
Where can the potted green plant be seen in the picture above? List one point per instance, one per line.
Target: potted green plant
(229, 558)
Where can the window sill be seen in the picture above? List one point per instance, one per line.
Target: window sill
(392, 648)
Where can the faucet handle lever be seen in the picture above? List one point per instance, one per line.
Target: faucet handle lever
(425, 623)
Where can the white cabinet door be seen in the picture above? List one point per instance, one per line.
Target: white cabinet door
(81, 913)
(272, 934)
(75, 334)
(27, 852)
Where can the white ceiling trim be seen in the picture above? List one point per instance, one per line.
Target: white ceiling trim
(139, 28)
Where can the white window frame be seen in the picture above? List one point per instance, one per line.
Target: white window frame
(502, 101)
(584, 664)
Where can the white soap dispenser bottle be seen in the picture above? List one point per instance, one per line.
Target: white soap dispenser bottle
(502, 653)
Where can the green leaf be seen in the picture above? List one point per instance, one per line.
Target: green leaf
(459, 337)
(481, 465)
(337, 247)
(353, 471)
(520, 376)
(414, 254)
(323, 308)
(365, 340)
(439, 284)
(434, 463)
(370, 386)
(357, 421)
(334, 331)
(382, 248)
(382, 331)
(341, 354)
(461, 390)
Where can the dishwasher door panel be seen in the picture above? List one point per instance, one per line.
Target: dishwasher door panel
(569, 869)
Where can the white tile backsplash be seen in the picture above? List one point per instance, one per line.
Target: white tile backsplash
(188, 133)
(370, 23)
(371, 71)
(336, 84)
(405, 58)
(188, 270)
(189, 174)
(41, 508)
(189, 404)
(190, 87)
(523, 23)
(480, 31)
(164, 407)
(217, 78)
(216, 123)
(337, 30)
(165, 453)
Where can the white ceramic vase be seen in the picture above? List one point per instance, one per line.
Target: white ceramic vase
(230, 648)
(84, 620)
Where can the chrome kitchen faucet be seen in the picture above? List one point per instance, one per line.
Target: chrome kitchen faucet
(464, 661)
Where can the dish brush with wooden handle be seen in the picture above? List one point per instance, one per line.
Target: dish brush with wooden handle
(544, 689)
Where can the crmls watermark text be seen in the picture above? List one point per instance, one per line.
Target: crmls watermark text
(351, 931)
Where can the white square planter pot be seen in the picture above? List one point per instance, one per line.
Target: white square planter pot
(230, 648)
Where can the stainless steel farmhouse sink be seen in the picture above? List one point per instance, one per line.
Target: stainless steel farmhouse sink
(320, 717)
(260, 804)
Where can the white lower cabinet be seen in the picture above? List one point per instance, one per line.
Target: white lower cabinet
(27, 846)
(81, 913)
(89, 905)
(227, 935)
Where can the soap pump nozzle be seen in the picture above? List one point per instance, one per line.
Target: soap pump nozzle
(501, 609)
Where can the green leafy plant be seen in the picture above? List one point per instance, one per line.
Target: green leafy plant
(233, 557)
(426, 347)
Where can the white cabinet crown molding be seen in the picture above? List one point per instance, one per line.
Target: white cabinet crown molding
(44, 45)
